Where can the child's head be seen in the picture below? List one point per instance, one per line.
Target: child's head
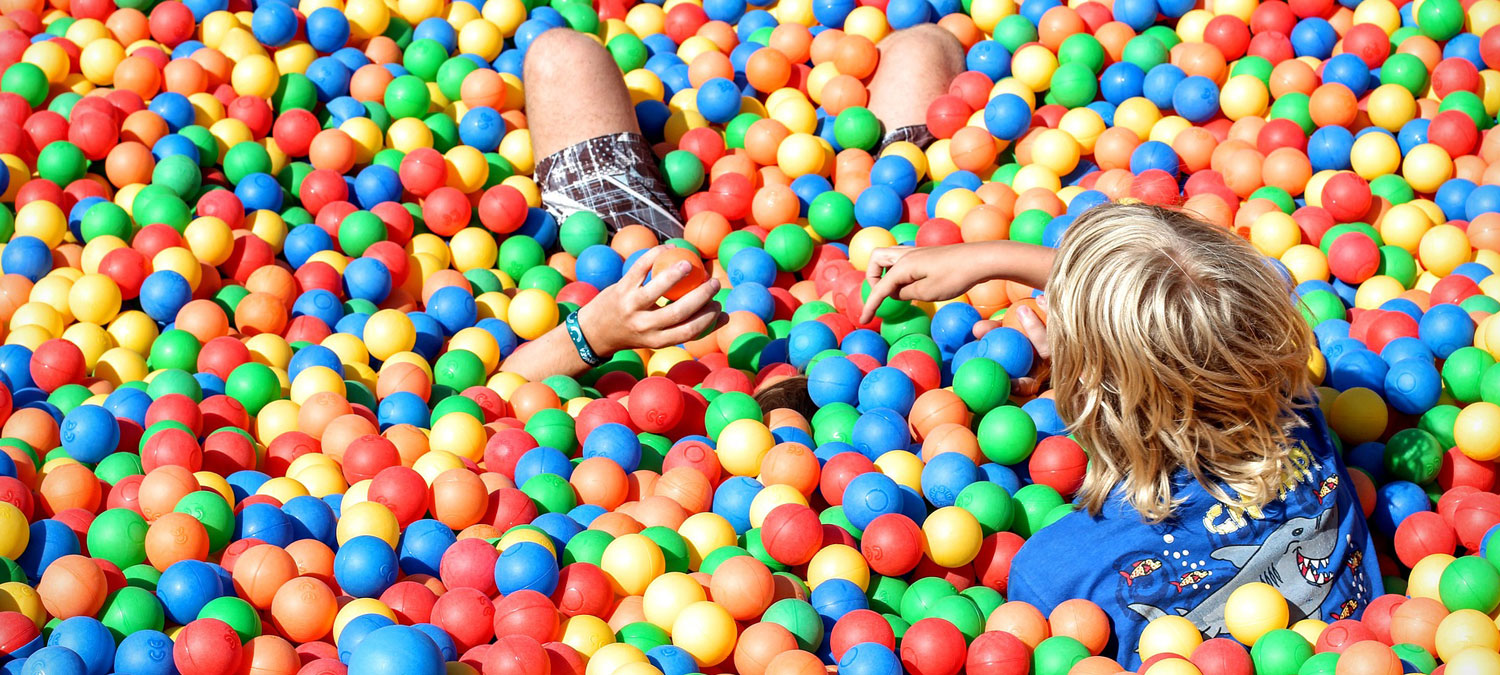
(1174, 344)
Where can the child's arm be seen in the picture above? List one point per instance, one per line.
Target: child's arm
(934, 273)
(623, 316)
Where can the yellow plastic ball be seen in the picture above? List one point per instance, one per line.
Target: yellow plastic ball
(951, 536)
(631, 562)
(1374, 155)
(1168, 635)
(368, 518)
(1404, 225)
(666, 597)
(1253, 610)
(1471, 661)
(1466, 629)
(864, 242)
(1391, 107)
(800, 155)
(1425, 575)
(474, 248)
(1358, 415)
(388, 332)
(94, 298)
(15, 532)
(588, 634)
(532, 313)
(706, 631)
(1427, 167)
(1306, 262)
(43, 220)
(461, 434)
(1476, 431)
(1310, 629)
(613, 657)
(1033, 65)
(838, 562)
(1376, 291)
(16, 596)
(742, 446)
(1443, 248)
(705, 533)
(1273, 233)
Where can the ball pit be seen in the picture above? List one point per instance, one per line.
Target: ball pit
(264, 263)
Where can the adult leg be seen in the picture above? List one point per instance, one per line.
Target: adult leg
(916, 66)
(574, 92)
(590, 153)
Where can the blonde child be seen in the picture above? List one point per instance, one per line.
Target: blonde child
(1179, 362)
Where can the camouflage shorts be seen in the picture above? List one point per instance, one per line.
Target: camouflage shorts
(613, 176)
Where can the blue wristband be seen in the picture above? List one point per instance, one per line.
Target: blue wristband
(581, 343)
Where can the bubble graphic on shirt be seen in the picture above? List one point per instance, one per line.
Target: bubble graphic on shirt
(1168, 538)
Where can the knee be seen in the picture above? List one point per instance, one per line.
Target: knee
(558, 53)
(924, 45)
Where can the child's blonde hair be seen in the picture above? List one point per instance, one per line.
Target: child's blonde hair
(1175, 344)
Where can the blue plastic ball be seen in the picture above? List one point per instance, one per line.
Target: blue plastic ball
(365, 566)
(887, 387)
(615, 442)
(327, 29)
(397, 650)
(869, 496)
(89, 433)
(526, 566)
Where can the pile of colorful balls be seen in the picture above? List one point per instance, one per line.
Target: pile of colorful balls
(262, 260)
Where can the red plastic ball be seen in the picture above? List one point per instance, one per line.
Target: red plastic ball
(502, 209)
(933, 646)
(526, 613)
(998, 653)
(656, 405)
(55, 363)
(582, 588)
(1346, 197)
(860, 625)
(206, 647)
(1059, 463)
(892, 544)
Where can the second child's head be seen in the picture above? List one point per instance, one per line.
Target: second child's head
(1175, 344)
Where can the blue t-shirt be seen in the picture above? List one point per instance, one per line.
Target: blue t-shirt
(1312, 544)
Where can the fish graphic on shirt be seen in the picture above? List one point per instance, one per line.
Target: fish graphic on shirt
(1140, 568)
(1189, 579)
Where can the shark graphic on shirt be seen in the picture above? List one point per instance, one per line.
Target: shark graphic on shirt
(1294, 559)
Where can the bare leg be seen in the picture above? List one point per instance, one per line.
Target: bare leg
(574, 92)
(916, 66)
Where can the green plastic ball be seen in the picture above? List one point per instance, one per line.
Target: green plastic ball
(1035, 502)
(62, 162)
(982, 384)
(119, 536)
(857, 127)
(990, 504)
(790, 246)
(1470, 582)
(798, 618)
(683, 172)
(1280, 652)
(581, 230)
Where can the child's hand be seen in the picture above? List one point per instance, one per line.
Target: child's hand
(1036, 331)
(929, 273)
(625, 315)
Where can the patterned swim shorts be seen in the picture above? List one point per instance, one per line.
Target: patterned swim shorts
(613, 176)
(916, 134)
